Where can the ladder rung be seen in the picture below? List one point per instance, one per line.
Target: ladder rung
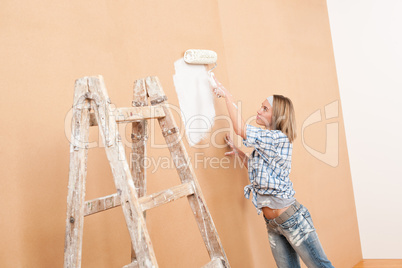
(100, 204)
(214, 263)
(166, 196)
(132, 114)
(147, 202)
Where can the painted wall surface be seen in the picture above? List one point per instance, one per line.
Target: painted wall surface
(367, 45)
(264, 47)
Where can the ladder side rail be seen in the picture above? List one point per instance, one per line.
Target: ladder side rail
(139, 146)
(77, 176)
(185, 171)
(115, 153)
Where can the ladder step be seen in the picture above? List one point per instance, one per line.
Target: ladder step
(215, 263)
(166, 196)
(147, 202)
(100, 204)
(132, 114)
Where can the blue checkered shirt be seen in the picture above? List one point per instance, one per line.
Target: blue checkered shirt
(269, 164)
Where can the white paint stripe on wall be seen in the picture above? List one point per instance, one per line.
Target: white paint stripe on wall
(195, 99)
(367, 41)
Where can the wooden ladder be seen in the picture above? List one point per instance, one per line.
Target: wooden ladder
(92, 107)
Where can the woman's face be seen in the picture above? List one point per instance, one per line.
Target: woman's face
(264, 114)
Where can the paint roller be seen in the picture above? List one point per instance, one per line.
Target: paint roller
(203, 56)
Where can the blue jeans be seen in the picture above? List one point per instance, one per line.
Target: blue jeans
(296, 237)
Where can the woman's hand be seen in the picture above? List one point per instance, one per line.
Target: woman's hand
(219, 90)
(229, 142)
(236, 151)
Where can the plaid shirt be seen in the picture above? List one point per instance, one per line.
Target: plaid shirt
(269, 164)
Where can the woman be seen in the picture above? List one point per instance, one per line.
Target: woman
(291, 232)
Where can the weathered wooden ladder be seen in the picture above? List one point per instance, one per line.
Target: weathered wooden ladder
(90, 94)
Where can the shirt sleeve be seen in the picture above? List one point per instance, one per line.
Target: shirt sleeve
(263, 139)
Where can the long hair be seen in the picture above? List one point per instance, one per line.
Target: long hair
(283, 117)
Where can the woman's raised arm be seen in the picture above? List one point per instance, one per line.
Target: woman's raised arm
(238, 124)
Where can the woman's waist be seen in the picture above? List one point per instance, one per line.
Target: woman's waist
(280, 215)
(273, 206)
(271, 213)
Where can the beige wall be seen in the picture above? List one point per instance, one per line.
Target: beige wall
(264, 47)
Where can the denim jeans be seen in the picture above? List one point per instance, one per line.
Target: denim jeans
(296, 237)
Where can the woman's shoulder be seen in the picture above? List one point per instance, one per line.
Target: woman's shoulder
(258, 136)
(279, 135)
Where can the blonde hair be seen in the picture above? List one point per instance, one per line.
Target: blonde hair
(283, 117)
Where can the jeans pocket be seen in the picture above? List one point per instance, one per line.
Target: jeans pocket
(306, 214)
